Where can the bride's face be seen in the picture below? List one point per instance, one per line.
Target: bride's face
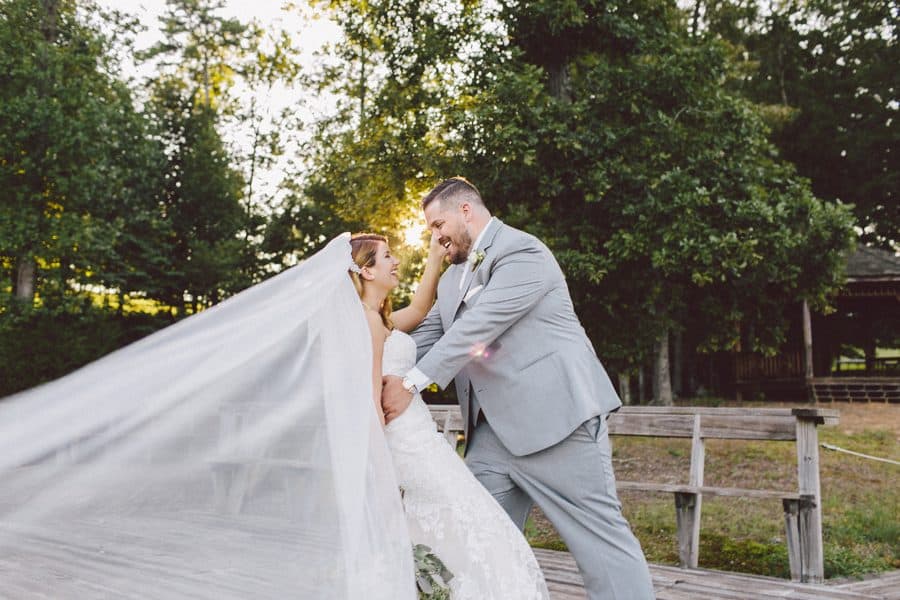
(384, 272)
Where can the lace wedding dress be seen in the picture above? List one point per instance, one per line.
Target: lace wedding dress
(448, 510)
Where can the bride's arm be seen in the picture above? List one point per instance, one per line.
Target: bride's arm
(379, 334)
(407, 319)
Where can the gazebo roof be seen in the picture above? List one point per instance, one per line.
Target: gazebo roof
(873, 264)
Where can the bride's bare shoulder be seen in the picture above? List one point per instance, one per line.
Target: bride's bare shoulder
(376, 326)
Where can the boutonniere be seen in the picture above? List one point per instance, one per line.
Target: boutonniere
(475, 258)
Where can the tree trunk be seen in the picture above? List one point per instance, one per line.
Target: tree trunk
(642, 386)
(678, 364)
(50, 22)
(781, 69)
(695, 19)
(625, 388)
(662, 381)
(808, 371)
(25, 277)
(560, 83)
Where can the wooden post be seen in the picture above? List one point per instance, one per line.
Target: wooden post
(688, 505)
(792, 536)
(449, 434)
(812, 562)
(686, 521)
(807, 343)
(870, 352)
(698, 460)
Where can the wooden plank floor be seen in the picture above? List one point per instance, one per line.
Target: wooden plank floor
(886, 585)
(138, 559)
(672, 583)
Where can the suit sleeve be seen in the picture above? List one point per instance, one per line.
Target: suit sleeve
(428, 332)
(518, 281)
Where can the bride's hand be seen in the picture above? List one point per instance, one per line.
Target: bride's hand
(435, 250)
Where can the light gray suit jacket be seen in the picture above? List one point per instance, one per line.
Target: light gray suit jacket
(511, 335)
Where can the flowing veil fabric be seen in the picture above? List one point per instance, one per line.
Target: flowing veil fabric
(235, 454)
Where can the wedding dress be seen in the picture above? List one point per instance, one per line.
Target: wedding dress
(235, 454)
(448, 510)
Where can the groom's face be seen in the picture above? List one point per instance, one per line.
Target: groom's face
(450, 223)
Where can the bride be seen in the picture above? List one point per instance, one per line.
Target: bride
(446, 508)
(237, 454)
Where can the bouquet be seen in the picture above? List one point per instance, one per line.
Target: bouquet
(432, 576)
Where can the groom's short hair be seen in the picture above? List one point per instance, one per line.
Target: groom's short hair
(455, 188)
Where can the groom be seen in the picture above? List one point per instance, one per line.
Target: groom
(534, 396)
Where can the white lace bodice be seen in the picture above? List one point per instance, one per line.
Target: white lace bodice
(399, 354)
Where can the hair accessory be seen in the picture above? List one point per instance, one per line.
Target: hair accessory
(354, 267)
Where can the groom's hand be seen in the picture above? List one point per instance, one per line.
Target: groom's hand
(394, 397)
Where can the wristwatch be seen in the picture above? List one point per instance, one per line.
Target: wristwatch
(409, 386)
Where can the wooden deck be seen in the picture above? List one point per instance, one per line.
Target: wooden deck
(673, 583)
(141, 560)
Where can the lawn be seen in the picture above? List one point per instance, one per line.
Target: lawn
(861, 498)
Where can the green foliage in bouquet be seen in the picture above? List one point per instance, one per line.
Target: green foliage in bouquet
(432, 576)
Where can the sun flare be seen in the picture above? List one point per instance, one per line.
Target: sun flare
(413, 232)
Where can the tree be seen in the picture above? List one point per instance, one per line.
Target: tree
(823, 71)
(201, 201)
(80, 219)
(382, 146)
(659, 185)
(207, 198)
(72, 143)
(606, 130)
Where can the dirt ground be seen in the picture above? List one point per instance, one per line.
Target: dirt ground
(860, 416)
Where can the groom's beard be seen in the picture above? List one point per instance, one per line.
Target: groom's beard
(463, 247)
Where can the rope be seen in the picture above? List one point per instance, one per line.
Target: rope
(838, 449)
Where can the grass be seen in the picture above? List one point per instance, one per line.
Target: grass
(861, 498)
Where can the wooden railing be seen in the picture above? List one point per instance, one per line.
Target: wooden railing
(753, 367)
(802, 507)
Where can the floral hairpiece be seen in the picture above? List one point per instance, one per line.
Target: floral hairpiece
(355, 268)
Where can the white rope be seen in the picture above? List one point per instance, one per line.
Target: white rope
(838, 449)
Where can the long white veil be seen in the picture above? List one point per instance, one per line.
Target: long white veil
(235, 454)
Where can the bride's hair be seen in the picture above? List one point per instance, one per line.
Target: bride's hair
(363, 248)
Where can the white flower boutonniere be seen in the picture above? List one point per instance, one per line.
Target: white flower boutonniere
(475, 258)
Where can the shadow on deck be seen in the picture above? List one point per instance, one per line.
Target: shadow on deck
(673, 583)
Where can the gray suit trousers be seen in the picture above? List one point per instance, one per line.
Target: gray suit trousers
(573, 483)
